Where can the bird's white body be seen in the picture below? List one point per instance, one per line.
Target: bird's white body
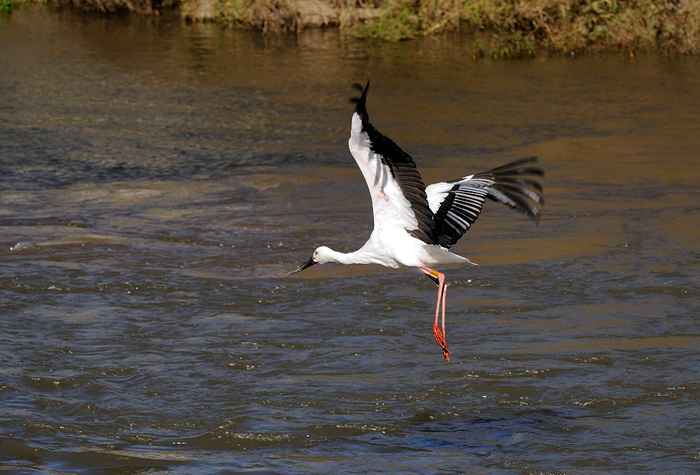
(415, 225)
(402, 250)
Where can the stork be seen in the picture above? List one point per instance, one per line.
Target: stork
(415, 225)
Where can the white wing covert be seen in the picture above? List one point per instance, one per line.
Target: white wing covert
(391, 175)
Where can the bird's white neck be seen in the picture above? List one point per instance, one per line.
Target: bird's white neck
(361, 256)
(357, 257)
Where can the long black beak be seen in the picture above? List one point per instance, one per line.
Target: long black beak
(303, 266)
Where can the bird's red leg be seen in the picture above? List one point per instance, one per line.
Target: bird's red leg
(444, 299)
(440, 335)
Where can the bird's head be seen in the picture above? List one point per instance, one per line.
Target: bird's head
(321, 255)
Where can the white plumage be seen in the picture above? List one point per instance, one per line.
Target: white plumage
(415, 226)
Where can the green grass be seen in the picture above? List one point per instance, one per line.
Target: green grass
(399, 22)
(524, 27)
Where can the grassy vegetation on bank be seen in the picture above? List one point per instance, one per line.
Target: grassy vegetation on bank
(520, 28)
(503, 28)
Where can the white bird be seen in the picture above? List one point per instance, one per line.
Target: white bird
(415, 226)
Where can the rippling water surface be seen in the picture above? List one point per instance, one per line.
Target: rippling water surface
(158, 180)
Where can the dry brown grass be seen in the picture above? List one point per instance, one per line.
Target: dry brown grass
(523, 27)
(575, 25)
(507, 28)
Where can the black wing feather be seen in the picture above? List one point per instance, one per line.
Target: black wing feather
(514, 184)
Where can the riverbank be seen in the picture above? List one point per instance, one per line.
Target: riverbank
(501, 28)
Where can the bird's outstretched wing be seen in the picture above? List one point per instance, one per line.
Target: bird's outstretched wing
(457, 204)
(397, 189)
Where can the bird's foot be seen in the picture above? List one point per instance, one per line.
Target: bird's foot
(440, 340)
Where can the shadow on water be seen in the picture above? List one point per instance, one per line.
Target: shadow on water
(158, 180)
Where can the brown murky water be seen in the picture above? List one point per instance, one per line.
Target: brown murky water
(157, 181)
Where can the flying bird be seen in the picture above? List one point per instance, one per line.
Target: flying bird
(415, 225)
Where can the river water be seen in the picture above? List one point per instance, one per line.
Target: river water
(158, 180)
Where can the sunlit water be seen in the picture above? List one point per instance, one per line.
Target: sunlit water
(158, 180)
